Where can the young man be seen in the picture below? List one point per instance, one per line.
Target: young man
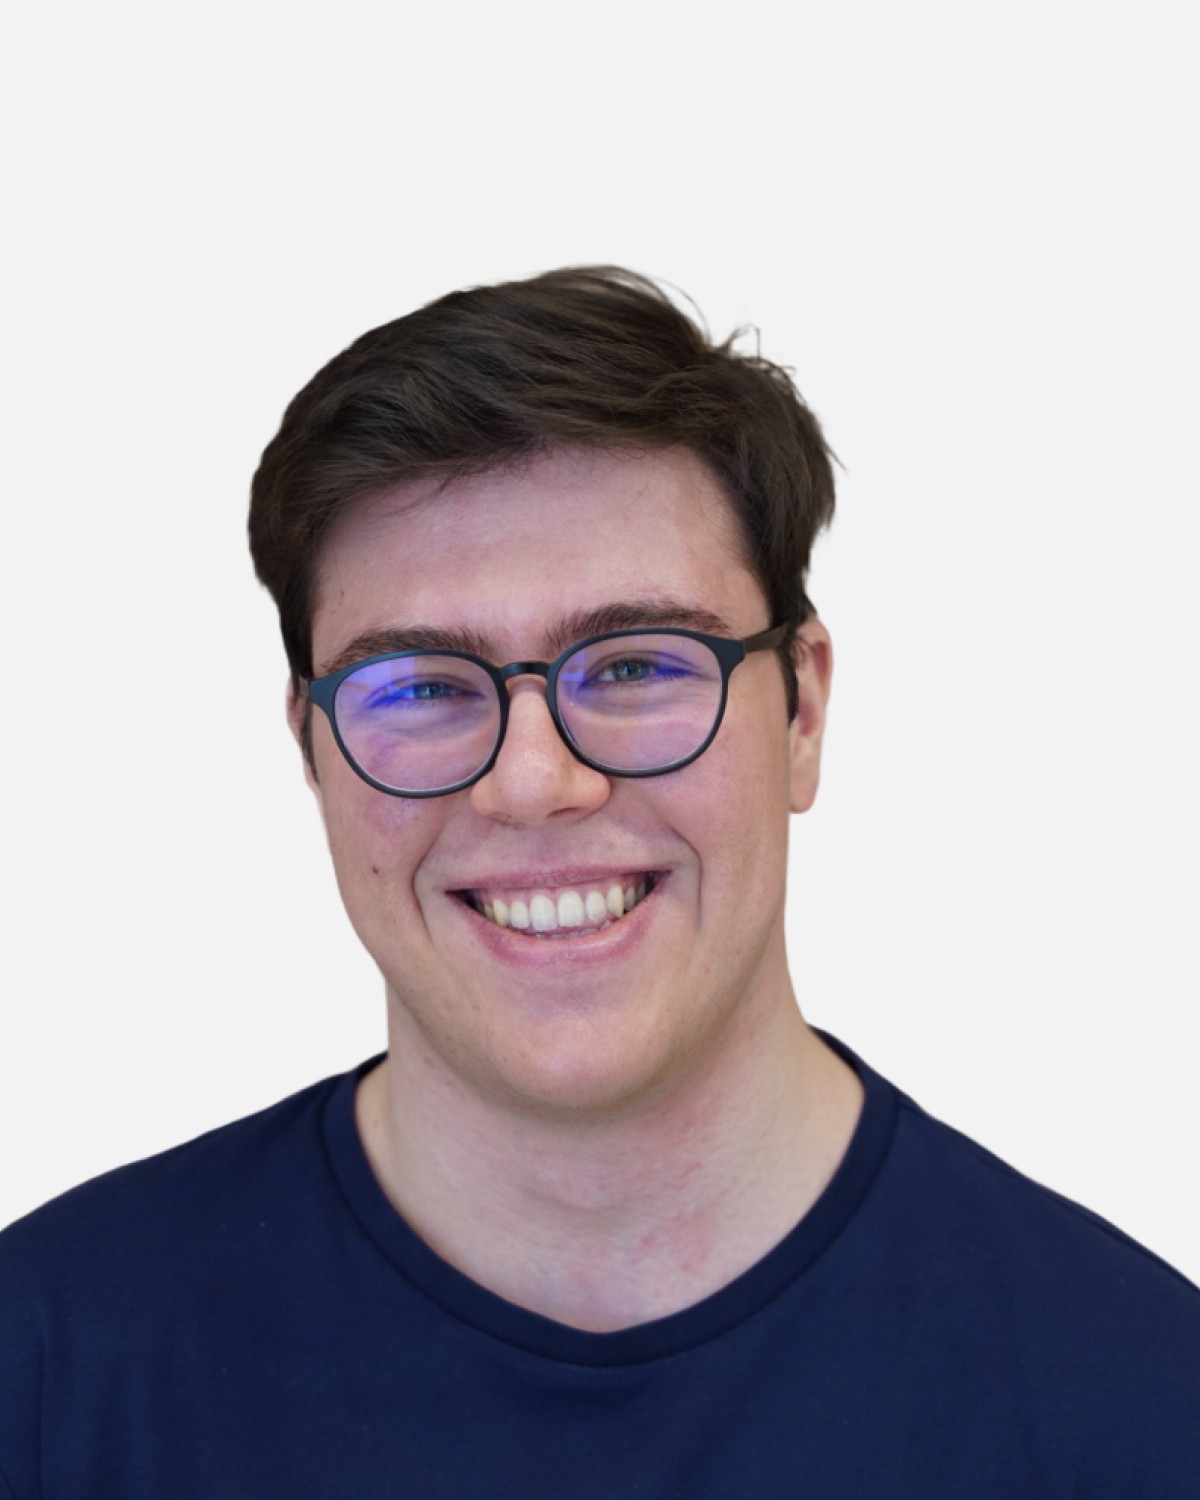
(608, 1219)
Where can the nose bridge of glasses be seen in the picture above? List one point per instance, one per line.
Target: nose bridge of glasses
(523, 669)
(517, 669)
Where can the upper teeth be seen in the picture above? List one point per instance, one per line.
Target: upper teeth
(545, 911)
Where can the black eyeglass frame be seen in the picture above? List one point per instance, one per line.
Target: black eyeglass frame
(729, 653)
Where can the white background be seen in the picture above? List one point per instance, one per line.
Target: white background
(971, 231)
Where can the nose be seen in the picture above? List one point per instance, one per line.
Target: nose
(536, 778)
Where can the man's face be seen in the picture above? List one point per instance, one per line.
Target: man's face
(602, 1016)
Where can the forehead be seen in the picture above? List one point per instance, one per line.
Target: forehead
(509, 553)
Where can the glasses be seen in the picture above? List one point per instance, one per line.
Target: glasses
(628, 703)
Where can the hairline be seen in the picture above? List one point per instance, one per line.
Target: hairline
(427, 488)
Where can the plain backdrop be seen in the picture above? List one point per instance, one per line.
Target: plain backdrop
(971, 232)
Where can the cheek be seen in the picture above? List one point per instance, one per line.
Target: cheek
(732, 807)
(755, 806)
(377, 842)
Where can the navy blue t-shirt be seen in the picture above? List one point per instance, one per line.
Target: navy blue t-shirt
(247, 1318)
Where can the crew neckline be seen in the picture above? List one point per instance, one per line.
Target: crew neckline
(490, 1314)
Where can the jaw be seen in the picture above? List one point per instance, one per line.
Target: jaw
(560, 1025)
(598, 1024)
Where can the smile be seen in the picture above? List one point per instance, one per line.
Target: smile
(563, 911)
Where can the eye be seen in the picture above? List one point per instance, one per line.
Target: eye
(429, 690)
(629, 669)
(415, 691)
(644, 668)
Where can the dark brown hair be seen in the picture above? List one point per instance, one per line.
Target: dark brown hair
(592, 357)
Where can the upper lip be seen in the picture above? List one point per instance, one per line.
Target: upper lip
(565, 875)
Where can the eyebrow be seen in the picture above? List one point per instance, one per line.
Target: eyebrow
(625, 614)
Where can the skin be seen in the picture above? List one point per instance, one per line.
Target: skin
(609, 1127)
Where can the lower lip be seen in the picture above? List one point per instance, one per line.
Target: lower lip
(533, 953)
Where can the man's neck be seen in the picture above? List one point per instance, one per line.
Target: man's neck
(602, 1224)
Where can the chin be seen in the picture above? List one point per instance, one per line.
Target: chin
(585, 1075)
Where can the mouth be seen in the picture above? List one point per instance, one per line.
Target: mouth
(563, 911)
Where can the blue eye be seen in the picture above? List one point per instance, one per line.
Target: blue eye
(624, 671)
(639, 669)
(413, 692)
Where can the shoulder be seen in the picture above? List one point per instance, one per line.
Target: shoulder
(104, 1289)
(970, 1197)
(1071, 1321)
(945, 1203)
(141, 1213)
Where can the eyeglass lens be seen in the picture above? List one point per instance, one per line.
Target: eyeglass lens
(424, 722)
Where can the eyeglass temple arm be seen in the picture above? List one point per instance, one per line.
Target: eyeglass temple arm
(765, 640)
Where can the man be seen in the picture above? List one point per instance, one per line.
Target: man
(608, 1219)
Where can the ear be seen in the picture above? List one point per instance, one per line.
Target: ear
(814, 673)
(299, 717)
